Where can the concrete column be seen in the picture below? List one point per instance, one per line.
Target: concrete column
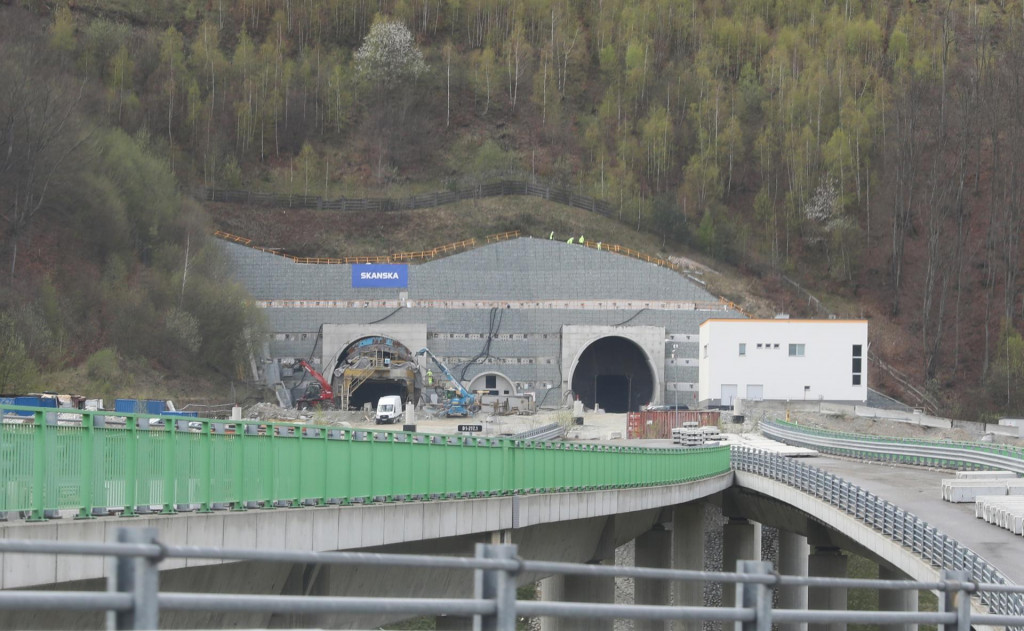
(578, 589)
(687, 554)
(552, 589)
(453, 623)
(896, 599)
(652, 549)
(741, 541)
(827, 561)
(793, 552)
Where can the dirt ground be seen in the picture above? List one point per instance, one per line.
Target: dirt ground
(595, 426)
(879, 427)
(604, 426)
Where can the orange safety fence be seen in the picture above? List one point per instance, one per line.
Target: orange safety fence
(465, 244)
(619, 249)
(386, 258)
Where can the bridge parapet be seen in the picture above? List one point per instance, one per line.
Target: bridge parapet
(98, 463)
(909, 532)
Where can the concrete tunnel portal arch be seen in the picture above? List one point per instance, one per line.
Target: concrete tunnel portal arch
(392, 362)
(613, 373)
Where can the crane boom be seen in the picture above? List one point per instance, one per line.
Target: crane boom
(463, 403)
(322, 397)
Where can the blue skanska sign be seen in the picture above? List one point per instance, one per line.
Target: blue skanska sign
(380, 275)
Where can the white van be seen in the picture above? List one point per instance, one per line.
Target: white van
(389, 410)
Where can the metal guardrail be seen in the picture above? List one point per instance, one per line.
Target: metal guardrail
(950, 455)
(922, 539)
(95, 462)
(133, 599)
(554, 431)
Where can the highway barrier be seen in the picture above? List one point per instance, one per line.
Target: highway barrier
(947, 455)
(98, 463)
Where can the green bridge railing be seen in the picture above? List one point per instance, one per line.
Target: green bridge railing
(97, 462)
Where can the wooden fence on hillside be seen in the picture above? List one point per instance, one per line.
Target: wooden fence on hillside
(428, 200)
(397, 257)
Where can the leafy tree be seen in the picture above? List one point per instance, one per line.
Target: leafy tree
(17, 371)
(39, 132)
(388, 58)
(389, 63)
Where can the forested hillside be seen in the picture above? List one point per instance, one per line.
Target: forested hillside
(868, 149)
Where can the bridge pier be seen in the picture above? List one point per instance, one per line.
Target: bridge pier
(896, 599)
(578, 588)
(687, 554)
(793, 556)
(827, 561)
(741, 541)
(652, 549)
(453, 623)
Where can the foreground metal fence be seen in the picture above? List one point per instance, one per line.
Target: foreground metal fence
(924, 540)
(950, 455)
(133, 599)
(98, 462)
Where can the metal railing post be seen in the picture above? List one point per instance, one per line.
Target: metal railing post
(754, 596)
(498, 586)
(39, 465)
(958, 601)
(139, 577)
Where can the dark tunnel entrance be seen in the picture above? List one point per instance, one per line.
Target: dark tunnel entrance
(371, 391)
(372, 367)
(613, 374)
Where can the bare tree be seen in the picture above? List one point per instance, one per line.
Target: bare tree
(38, 134)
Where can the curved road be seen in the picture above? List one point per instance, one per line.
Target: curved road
(917, 490)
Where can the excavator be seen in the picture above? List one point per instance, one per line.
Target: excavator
(464, 402)
(318, 394)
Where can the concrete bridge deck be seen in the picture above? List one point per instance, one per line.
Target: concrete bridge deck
(917, 490)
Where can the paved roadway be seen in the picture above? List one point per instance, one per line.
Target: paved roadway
(917, 490)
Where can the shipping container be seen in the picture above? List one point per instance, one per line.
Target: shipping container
(126, 405)
(659, 424)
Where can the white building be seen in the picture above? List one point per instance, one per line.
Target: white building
(782, 359)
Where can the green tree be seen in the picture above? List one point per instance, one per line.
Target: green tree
(18, 372)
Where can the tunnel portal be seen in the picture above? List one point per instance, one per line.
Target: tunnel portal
(613, 373)
(372, 367)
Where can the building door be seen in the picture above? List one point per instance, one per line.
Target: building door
(728, 393)
(755, 391)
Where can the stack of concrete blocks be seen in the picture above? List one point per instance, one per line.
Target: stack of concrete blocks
(527, 346)
(998, 496)
(968, 485)
(1005, 511)
(690, 434)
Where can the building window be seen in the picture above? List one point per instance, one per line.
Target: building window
(743, 350)
(490, 382)
(705, 351)
(858, 364)
(796, 350)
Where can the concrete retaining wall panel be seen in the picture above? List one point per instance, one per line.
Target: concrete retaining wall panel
(206, 531)
(325, 530)
(373, 525)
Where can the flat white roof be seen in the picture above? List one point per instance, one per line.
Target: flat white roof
(738, 321)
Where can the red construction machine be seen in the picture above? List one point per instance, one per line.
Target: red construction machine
(318, 394)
